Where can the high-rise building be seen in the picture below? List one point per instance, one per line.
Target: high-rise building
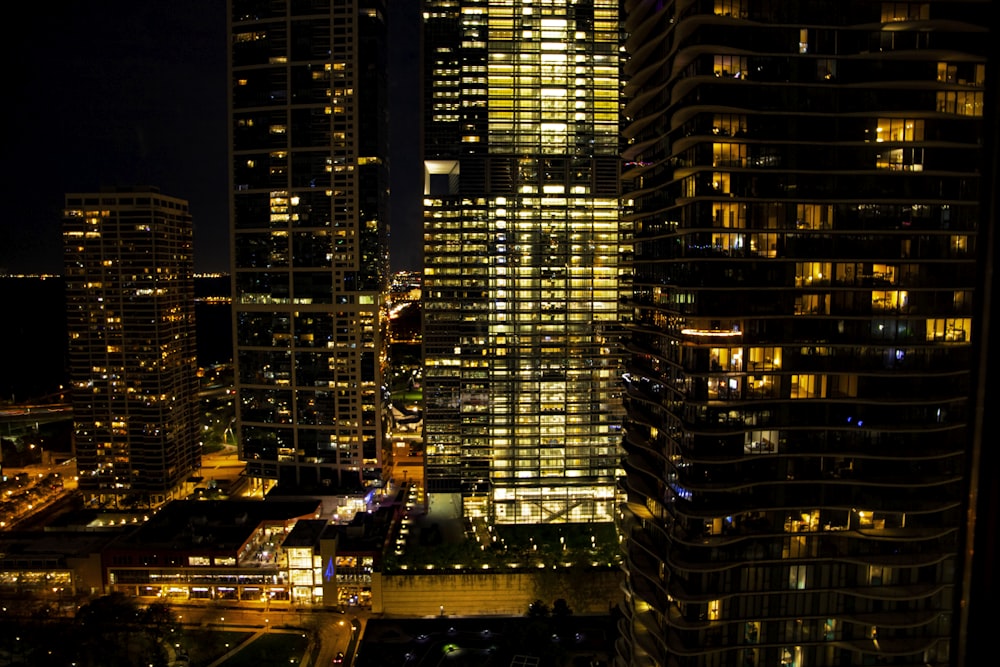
(129, 272)
(308, 147)
(804, 178)
(521, 258)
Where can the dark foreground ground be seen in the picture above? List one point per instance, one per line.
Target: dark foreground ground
(573, 641)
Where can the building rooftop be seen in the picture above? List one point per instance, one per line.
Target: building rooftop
(306, 533)
(216, 524)
(368, 531)
(35, 545)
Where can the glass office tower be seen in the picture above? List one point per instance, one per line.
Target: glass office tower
(129, 271)
(308, 142)
(521, 258)
(805, 185)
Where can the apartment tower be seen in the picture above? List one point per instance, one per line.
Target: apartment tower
(805, 186)
(521, 259)
(129, 272)
(308, 147)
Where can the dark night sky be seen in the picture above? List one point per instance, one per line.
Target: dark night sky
(127, 92)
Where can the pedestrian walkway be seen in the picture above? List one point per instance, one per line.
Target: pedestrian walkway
(236, 649)
(305, 655)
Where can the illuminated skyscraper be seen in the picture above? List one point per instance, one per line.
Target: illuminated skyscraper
(132, 361)
(521, 258)
(308, 144)
(805, 183)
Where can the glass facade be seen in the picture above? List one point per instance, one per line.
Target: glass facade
(309, 225)
(803, 182)
(521, 258)
(129, 273)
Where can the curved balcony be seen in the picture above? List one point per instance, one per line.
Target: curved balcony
(646, 66)
(639, 13)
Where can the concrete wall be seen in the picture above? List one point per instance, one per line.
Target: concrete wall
(503, 594)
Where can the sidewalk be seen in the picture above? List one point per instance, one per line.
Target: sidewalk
(236, 649)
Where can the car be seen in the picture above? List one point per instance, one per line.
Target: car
(339, 658)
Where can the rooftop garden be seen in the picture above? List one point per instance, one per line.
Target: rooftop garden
(424, 545)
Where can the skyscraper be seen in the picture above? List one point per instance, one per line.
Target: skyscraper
(132, 362)
(804, 177)
(521, 258)
(309, 267)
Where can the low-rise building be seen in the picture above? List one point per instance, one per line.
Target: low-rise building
(218, 550)
(337, 564)
(59, 565)
(281, 553)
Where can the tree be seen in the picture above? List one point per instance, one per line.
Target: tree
(560, 609)
(538, 609)
(115, 631)
(159, 621)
